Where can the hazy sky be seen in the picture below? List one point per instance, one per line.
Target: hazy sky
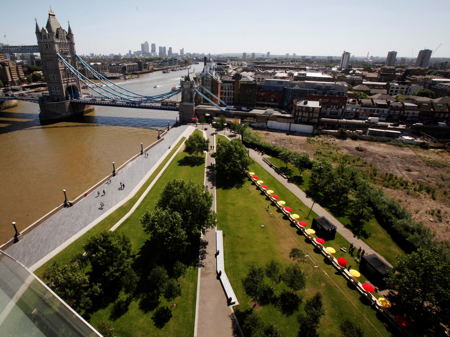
(325, 27)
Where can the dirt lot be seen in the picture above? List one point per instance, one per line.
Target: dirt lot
(429, 167)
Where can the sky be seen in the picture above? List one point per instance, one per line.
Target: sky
(326, 27)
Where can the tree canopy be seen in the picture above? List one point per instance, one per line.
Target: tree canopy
(196, 144)
(110, 256)
(420, 281)
(232, 160)
(192, 202)
(425, 93)
(166, 230)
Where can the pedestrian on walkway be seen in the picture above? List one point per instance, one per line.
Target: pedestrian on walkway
(103, 193)
(98, 194)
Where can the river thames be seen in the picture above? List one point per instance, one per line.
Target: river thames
(38, 161)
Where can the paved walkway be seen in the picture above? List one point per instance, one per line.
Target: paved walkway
(214, 317)
(319, 210)
(54, 233)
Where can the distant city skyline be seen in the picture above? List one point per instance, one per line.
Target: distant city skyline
(299, 27)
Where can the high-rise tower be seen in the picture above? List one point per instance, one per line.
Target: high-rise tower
(423, 59)
(391, 58)
(53, 40)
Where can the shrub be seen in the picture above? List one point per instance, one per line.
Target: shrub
(161, 316)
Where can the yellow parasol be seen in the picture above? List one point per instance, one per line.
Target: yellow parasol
(295, 216)
(269, 191)
(354, 273)
(310, 231)
(384, 302)
(252, 173)
(260, 182)
(330, 250)
(281, 202)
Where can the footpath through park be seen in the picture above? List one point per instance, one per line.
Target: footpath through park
(319, 210)
(55, 233)
(213, 316)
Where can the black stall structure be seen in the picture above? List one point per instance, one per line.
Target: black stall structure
(374, 269)
(324, 228)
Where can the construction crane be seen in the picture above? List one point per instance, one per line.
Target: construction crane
(436, 49)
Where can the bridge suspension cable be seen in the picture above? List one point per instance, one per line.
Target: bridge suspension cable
(209, 100)
(214, 96)
(105, 81)
(87, 81)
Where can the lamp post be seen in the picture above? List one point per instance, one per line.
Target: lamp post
(114, 168)
(311, 208)
(66, 202)
(142, 149)
(16, 232)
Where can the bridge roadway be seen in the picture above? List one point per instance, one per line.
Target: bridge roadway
(135, 105)
(19, 49)
(104, 102)
(39, 243)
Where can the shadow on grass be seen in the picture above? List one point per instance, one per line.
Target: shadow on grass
(298, 180)
(191, 161)
(120, 308)
(229, 182)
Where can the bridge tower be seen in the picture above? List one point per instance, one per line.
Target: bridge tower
(62, 84)
(187, 104)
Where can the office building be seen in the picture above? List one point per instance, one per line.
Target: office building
(423, 59)
(182, 52)
(145, 49)
(253, 55)
(170, 53)
(268, 54)
(391, 58)
(244, 55)
(345, 60)
(153, 49)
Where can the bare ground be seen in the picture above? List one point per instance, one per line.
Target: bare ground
(429, 167)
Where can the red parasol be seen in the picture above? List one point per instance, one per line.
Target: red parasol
(368, 287)
(275, 196)
(303, 223)
(342, 261)
(264, 186)
(288, 209)
(255, 177)
(320, 240)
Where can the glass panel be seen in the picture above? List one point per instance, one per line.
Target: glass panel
(29, 308)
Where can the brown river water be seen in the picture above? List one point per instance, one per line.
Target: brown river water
(38, 161)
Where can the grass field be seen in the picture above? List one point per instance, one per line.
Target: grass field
(379, 239)
(247, 242)
(135, 322)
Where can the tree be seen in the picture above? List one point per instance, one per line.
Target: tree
(294, 277)
(360, 95)
(286, 156)
(37, 76)
(273, 271)
(161, 316)
(196, 144)
(1, 84)
(289, 302)
(359, 210)
(297, 255)
(172, 289)
(252, 325)
(166, 230)
(425, 93)
(110, 256)
(106, 329)
(302, 162)
(232, 160)
(254, 281)
(220, 123)
(71, 283)
(271, 331)
(420, 284)
(193, 203)
(158, 279)
(309, 322)
(349, 329)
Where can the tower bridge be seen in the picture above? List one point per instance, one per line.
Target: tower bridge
(60, 66)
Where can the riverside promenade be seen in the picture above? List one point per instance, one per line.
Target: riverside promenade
(55, 233)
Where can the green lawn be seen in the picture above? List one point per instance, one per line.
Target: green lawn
(379, 239)
(136, 322)
(247, 242)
